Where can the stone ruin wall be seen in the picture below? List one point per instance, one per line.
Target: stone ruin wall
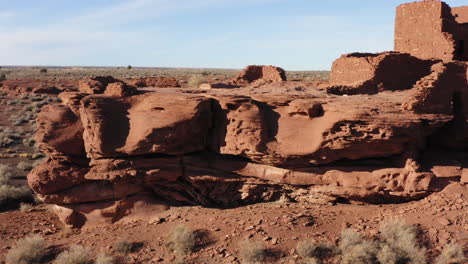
(461, 14)
(429, 30)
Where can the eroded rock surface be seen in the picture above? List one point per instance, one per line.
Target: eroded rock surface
(257, 75)
(374, 72)
(111, 155)
(391, 127)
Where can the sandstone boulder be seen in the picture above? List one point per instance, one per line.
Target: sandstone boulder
(60, 131)
(259, 73)
(56, 175)
(145, 124)
(120, 89)
(368, 73)
(95, 85)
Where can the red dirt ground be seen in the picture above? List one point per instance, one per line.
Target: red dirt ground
(442, 217)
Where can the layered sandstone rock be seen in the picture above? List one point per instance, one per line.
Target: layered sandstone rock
(259, 73)
(369, 73)
(113, 155)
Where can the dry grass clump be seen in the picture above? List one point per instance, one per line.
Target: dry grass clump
(25, 207)
(397, 244)
(252, 252)
(74, 255)
(195, 80)
(452, 254)
(355, 249)
(314, 252)
(123, 246)
(24, 166)
(400, 244)
(9, 192)
(181, 240)
(103, 258)
(6, 173)
(29, 250)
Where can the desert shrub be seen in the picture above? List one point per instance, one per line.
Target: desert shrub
(7, 138)
(399, 244)
(37, 162)
(9, 192)
(37, 200)
(181, 240)
(103, 258)
(312, 251)
(195, 81)
(355, 249)
(43, 70)
(452, 254)
(24, 166)
(74, 255)
(37, 155)
(123, 246)
(2, 77)
(24, 207)
(29, 142)
(129, 67)
(252, 252)
(6, 173)
(29, 250)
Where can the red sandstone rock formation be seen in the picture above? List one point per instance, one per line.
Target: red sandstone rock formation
(120, 89)
(227, 150)
(112, 155)
(107, 85)
(161, 82)
(367, 73)
(262, 74)
(95, 85)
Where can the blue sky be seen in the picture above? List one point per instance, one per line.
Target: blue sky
(293, 34)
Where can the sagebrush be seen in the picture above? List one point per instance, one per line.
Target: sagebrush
(29, 250)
